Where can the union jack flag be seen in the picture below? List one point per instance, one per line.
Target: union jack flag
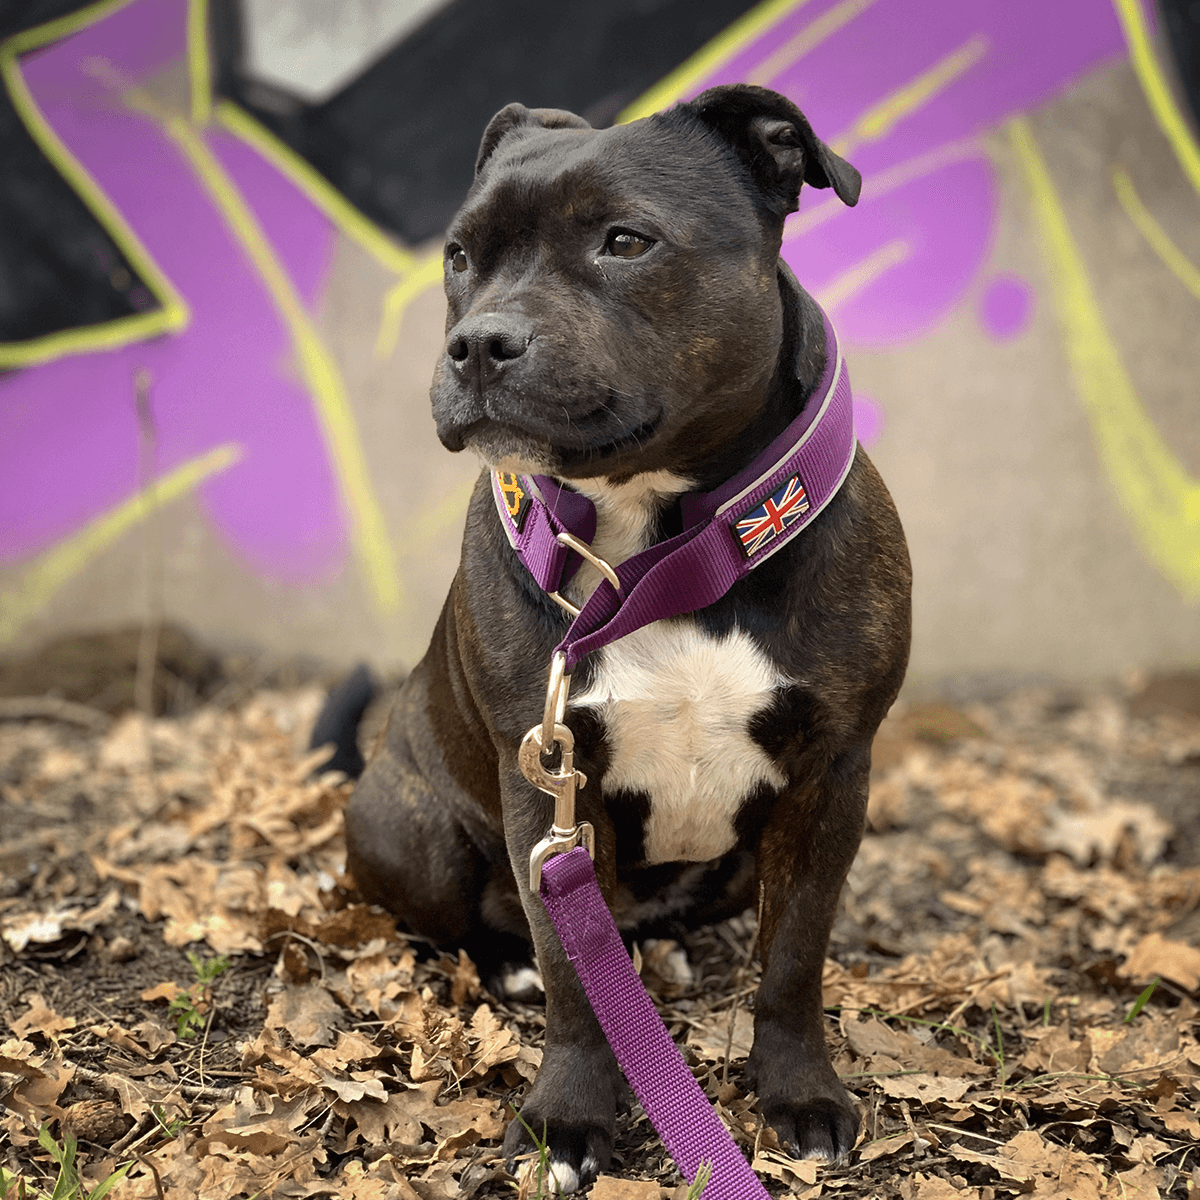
(760, 525)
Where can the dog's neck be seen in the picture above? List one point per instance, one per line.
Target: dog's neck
(626, 520)
(798, 371)
(628, 513)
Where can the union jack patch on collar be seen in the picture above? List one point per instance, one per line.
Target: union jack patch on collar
(761, 525)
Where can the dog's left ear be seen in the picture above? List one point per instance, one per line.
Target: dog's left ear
(776, 142)
(516, 116)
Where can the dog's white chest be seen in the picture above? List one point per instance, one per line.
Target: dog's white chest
(677, 705)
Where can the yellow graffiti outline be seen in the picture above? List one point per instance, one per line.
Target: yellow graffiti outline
(430, 522)
(807, 40)
(199, 66)
(49, 571)
(416, 272)
(1154, 234)
(315, 186)
(1160, 498)
(882, 117)
(713, 54)
(173, 314)
(1157, 91)
(316, 363)
(874, 186)
(863, 273)
(424, 275)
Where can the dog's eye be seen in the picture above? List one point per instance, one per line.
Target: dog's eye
(457, 256)
(622, 243)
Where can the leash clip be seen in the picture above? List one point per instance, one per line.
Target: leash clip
(560, 782)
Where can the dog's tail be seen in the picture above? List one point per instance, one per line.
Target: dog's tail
(339, 720)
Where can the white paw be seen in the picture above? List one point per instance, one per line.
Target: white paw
(523, 983)
(557, 1178)
(669, 961)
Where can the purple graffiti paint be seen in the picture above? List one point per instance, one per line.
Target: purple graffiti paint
(868, 420)
(889, 269)
(936, 249)
(1006, 307)
(229, 377)
(995, 58)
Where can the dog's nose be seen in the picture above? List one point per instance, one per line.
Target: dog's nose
(482, 346)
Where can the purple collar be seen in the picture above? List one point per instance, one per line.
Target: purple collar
(727, 532)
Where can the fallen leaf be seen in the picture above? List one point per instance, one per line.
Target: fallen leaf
(924, 1087)
(41, 1019)
(1155, 955)
(308, 1012)
(883, 1147)
(611, 1187)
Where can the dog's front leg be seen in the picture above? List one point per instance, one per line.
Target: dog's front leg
(803, 857)
(571, 1108)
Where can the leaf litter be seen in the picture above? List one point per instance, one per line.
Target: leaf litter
(191, 991)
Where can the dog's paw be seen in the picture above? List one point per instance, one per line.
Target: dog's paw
(520, 982)
(823, 1128)
(573, 1155)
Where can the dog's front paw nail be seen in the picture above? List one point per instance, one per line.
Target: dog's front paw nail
(561, 1158)
(820, 1129)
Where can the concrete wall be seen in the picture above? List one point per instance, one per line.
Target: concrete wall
(1022, 332)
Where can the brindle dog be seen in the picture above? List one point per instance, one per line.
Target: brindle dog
(620, 319)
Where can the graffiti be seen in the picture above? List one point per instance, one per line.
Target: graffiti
(1006, 307)
(232, 233)
(202, 204)
(1160, 497)
(908, 90)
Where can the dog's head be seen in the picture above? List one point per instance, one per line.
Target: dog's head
(614, 304)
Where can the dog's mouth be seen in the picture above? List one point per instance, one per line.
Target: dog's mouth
(628, 440)
(565, 450)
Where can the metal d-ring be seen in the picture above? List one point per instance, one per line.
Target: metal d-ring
(559, 599)
(555, 707)
(585, 551)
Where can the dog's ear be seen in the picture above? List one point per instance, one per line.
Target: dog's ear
(517, 116)
(776, 142)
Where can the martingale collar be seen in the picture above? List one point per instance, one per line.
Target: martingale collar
(727, 532)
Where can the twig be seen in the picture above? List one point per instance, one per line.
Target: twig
(190, 1090)
(739, 975)
(152, 568)
(963, 1133)
(134, 1136)
(50, 708)
(312, 945)
(212, 1012)
(158, 1187)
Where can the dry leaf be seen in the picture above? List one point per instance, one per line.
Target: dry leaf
(610, 1187)
(41, 1019)
(1155, 955)
(308, 1012)
(883, 1147)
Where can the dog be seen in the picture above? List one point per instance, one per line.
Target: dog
(620, 324)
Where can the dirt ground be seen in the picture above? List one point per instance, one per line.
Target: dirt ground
(191, 994)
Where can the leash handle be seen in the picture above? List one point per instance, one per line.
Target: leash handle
(664, 1085)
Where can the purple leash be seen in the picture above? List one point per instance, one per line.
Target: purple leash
(677, 1107)
(727, 533)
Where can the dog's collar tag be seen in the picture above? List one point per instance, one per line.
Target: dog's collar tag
(727, 533)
